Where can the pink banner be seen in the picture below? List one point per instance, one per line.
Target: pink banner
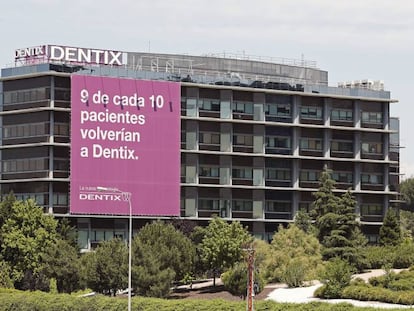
(125, 146)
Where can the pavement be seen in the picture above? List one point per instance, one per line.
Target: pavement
(305, 294)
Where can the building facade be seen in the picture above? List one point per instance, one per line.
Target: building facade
(255, 136)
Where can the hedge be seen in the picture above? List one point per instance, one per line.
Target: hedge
(370, 293)
(13, 300)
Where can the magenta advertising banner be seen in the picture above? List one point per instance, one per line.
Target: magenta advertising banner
(125, 146)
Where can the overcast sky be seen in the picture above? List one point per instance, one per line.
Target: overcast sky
(352, 40)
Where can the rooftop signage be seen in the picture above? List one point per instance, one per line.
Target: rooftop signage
(66, 54)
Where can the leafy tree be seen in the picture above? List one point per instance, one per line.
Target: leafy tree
(5, 273)
(407, 192)
(61, 262)
(293, 244)
(6, 207)
(390, 231)
(407, 224)
(106, 270)
(222, 245)
(67, 232)
(25, 235)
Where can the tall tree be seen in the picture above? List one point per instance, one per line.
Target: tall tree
(390, 231)
(61, 262)
(105, 270)
(171, 246)
(222, 245)
(26, 234)
(336, 221)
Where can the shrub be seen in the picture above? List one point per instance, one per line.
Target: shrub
(235, 280)
(295, 273)
(336, 277)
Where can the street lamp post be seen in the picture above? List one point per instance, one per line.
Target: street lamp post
(128, 194)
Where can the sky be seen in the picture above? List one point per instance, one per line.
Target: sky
(352, 39)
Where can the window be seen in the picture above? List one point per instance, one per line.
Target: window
(242, 205)
(311, 144)
(60, 199)
(282, 142)
(242, 173)
(242, 140)
(341, 115)
(26, 130)
(311, 112)
(25, 165)
(372, 117)
(208, 171)
(373, 179)
(372, 148)
(371, 209)
(278, 206)
(342, 177)
(209, 138)
(278, 110)
(342, 146)
(242, 107)
(307, 175)
(277, 174)
(61, 129)
(208, 204)
(209, 104)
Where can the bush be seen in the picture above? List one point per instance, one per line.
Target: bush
(295, 273)
(235, 280)
(336, 277)
(370, 293)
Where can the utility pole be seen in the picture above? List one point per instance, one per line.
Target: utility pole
(250, 278)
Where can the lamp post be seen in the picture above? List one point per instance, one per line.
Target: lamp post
(128, 195)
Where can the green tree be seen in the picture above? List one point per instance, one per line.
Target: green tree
(345, 238)
(67, 232)
(336, 222)
(407, 224)
(5, 275)
(303, 221)
(173, 249)
(390, 231)
(335, 277)
(106, 270)
(407, 192)
(293, 244)
(6, 207)
(26, 234)
(61, 262)
(222, 245)
(150, 275)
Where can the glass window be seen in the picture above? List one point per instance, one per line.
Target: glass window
(310, 144)
(371, 209)
(208, 171)
(242, 107)
(374, 179)
(208, 204)
(278, 142)
(210, 138)
(311, 112)
(307, 175)
(372, 148)
(209, 104)
(278, 174)
(243, 140)
(342, 146)
(341, 115)
(242, 205)
(278, 206)
(372, 117)
(342, 177)
(278, 110)
(242, 173)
